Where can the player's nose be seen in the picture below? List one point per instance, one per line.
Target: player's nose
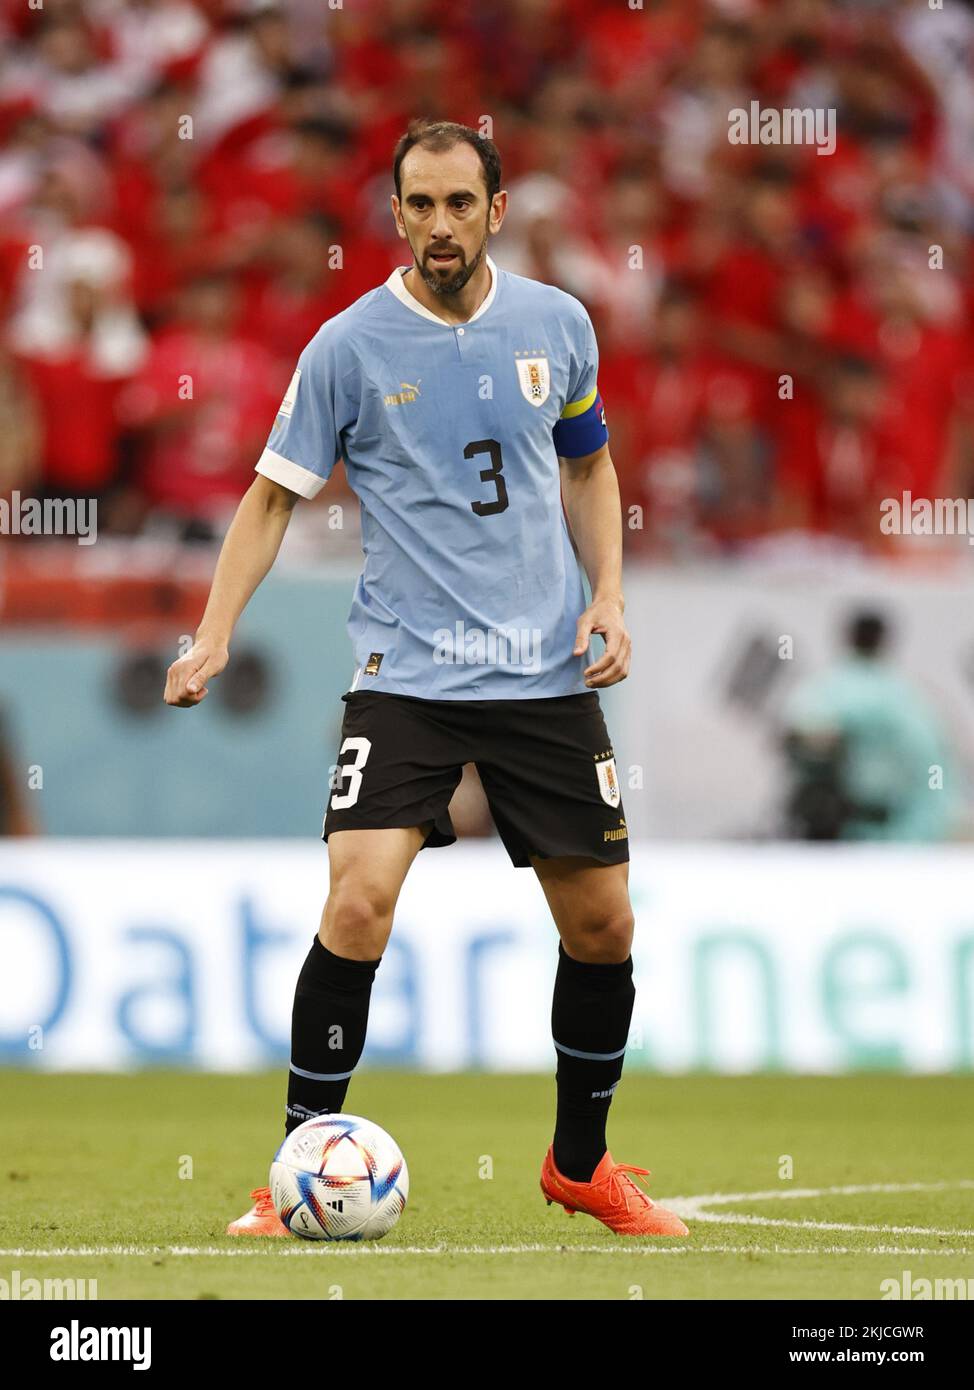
(442, 232)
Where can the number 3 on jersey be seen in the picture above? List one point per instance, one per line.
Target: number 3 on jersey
(361, 747)
(489, 475)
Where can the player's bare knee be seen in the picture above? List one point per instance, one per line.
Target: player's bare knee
(603, 939)
(356, 921)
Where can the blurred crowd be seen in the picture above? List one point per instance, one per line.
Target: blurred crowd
(188, 188)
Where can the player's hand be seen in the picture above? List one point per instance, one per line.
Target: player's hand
(605, 618)
(186, 679)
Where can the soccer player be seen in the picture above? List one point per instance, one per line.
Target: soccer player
(465, 405)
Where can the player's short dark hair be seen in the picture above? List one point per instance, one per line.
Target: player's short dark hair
(867, 633)
(443, 135)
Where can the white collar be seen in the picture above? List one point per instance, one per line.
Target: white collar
(398, 288)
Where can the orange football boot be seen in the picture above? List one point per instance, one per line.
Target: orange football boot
(261, 1220)
(611, 1197)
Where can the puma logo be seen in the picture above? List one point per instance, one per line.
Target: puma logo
(405, 394)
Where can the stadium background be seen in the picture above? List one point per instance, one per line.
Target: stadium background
(209, 181)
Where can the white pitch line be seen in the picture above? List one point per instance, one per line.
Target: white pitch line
(809, 1225)
(778, 1194)
(695, 1208)
(328, 1250)
(691, 1208)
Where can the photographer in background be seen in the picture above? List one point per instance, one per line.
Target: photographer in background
(866, 755)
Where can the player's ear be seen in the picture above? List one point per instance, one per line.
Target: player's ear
(397, 217)
(498, 209)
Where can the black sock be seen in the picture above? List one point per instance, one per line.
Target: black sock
(328, 1023)
(590, 1014)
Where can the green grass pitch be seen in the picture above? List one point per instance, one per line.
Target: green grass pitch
(96, 1175)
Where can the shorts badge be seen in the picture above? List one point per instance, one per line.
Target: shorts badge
(605, 768)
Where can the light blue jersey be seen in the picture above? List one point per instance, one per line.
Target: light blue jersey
(450, 435)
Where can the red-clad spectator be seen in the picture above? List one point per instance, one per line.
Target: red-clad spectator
(78, 342)
(683, 434)
(204, 404)
(836, 460)
(178, 246)
(311, 276)
(309, 168)
(925, 365)
(79, 435)
(70, 73)
(746, 287)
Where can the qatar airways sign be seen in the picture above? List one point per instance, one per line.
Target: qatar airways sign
(805, 958)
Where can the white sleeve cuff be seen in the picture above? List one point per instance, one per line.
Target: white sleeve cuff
(289, 475)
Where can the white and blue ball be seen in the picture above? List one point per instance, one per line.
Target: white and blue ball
(339, 1177)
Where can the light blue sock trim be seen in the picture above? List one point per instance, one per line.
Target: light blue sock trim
(321, 1075)
(589, 1056)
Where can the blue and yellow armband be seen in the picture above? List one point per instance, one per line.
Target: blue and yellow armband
(581, 429)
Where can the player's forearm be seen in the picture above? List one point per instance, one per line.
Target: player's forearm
(249, 550)
(594, 511)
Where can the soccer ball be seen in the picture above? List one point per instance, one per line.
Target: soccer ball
(339, 1177)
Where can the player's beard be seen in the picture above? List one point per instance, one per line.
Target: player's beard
(456, 282)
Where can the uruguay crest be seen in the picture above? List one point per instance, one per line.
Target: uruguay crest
(535, 378)
(608, 781)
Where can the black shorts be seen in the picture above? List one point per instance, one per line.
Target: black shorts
(546, 766)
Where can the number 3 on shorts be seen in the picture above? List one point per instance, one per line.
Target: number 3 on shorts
(361, 747)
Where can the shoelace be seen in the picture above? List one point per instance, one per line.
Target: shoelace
(622, 1189)
(263, 1200)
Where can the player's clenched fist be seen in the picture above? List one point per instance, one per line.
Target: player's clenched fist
(186, 679)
